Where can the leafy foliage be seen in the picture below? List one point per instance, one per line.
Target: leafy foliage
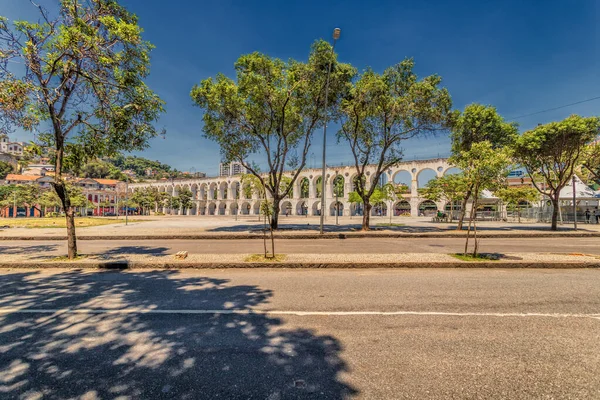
(271, 109)
(551, 152)
(383, 110)
(478, 124)
(82, 85)
(5, 169)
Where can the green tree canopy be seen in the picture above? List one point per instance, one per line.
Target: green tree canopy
(383, 110)
(83, 81)
(271, 110)
(5, 169)
(478, 124)
(551, 152)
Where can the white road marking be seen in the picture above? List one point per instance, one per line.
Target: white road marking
(7, 310)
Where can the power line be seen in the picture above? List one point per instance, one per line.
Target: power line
(555, 108)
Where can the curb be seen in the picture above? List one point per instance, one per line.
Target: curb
(350, 235)
(125, 264)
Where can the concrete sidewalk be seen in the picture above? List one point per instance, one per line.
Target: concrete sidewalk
(406, 260)
(224, 227)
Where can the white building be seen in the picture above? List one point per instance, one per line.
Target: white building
(8, 147)
(231, 169)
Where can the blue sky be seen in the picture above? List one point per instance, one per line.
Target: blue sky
(520, 56)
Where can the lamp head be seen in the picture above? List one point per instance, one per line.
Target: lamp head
(336, 33)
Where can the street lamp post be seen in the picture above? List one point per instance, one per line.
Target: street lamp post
(337, 204)
(336, 36)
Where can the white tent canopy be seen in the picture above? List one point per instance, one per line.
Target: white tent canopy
(582, 191)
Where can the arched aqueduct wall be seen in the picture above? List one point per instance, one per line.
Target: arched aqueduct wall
(217, 196)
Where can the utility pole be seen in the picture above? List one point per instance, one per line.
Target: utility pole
(336, 36)
(574, 204)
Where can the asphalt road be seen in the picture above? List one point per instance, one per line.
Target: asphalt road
(292, 246)
(277, 334)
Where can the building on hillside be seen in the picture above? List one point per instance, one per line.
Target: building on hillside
(17, 179)
(129, 173)
(8, 147)
(231, 169)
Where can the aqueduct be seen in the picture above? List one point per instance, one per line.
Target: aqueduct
(225, 195)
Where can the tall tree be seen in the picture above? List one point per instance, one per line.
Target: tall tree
(383, 110)
(476, 124)
(449, 188)
(271, 110)
(82, 81)
(551, 152)
(484, 167)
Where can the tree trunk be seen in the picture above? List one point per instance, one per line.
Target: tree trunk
(555, 206)
(275, 217)
(463, 210)
(61, 191)
(366, 216)
(471, 214)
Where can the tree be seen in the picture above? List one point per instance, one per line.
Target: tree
(512, 196)
(271, 110)
(5, 169)
(484, 167)
(448, 188)
(551, 152)
(380, 112)
(255, 186)
(478, 123)
(83, 81)
(590, 164)
(185, 198)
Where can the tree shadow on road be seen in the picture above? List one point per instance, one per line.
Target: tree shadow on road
(155, 251)
(126, 353)
(33, 251)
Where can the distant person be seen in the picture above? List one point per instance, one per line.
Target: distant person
(587, 216)
(597, 215)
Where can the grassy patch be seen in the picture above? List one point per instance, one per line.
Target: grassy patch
(60, 222)
(389, 224)
(480, 257)
(261, 258)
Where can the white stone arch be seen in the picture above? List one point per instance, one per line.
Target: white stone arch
(302, 207)
(303, 194)
(336, 206)
(424, 175)
(256, 207)
(427, 207)
(451, 170)
(402, 176)
(316, 207)
(194, 190)
(235, 190)
(222, 207)
(234, 208)
(222, 191)
(201, 207)
(334, 183)
(212, 208)
(203, 191)
(286, 208)
(245, 208)
(212, 191)
(402, 207)
(379, 210)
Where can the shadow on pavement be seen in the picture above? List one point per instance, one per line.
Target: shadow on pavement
(30, 250)
(311, 228)
(156, 251)
(171, 355)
